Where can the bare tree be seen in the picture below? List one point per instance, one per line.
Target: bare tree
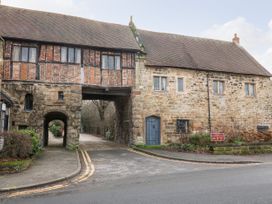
(101, 107)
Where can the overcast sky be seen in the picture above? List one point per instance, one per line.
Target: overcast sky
(219, 19)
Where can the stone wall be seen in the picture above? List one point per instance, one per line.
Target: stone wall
(232, 110)
(45, 98)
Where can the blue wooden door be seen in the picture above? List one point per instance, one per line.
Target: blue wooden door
(152, 130)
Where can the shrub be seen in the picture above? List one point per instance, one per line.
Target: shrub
(56, 130)
(200, 139)
(36, 146)
(16, 145)
(188, 147)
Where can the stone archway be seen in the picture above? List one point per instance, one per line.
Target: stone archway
(54, 116)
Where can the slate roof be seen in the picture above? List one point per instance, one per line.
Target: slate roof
(51, 27)
(170, 50)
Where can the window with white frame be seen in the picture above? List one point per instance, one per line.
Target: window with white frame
(111, 62)
(180, 84)
(250, 89)
(70, 55)
(24, 54)
(218, 87)
(160, 83)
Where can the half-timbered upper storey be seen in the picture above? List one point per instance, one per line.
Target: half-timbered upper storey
(49, 47)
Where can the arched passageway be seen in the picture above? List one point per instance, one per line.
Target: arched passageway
(54, 116)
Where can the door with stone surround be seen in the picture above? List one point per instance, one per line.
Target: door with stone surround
(153, 130)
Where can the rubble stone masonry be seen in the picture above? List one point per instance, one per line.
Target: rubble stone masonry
(45, 101)
(232, 110)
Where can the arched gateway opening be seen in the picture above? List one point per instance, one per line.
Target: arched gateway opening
(48, 119)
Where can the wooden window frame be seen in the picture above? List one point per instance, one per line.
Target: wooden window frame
(28, 52)
(160, 83)
(247, 93)
(217, 91)
(114, 61)
(67, 55)
(183, 84)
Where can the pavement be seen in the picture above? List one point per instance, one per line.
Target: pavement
(207, 158)
(54, 164)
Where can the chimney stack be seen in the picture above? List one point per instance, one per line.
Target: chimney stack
(236, 39)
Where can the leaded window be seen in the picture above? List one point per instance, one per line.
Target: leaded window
(70, 55)
(182, 126)
(111, 62)
(24, 54)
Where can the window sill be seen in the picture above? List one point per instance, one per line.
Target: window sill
(24, 62)
(219, 95)
(159, 91)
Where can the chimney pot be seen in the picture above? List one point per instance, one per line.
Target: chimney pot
(236, 39)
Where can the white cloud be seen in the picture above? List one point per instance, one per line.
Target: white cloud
(257, 41)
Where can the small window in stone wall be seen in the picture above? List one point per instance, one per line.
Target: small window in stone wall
(218, 87)
(28, 102)
(22, 127)
(180, 84)
(159, 83)
(262, 128)
(60, 95)
(182, 126)
(250, 89)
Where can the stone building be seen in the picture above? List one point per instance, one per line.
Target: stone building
(189, 84)
(162, 84)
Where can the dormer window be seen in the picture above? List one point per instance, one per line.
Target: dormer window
(24, 54)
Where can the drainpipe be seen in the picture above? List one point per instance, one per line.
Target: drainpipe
(2, 66)
(209, 103)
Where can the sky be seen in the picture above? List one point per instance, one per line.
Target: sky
(218, 19)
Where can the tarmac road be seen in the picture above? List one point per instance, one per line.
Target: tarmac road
(122, 176)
